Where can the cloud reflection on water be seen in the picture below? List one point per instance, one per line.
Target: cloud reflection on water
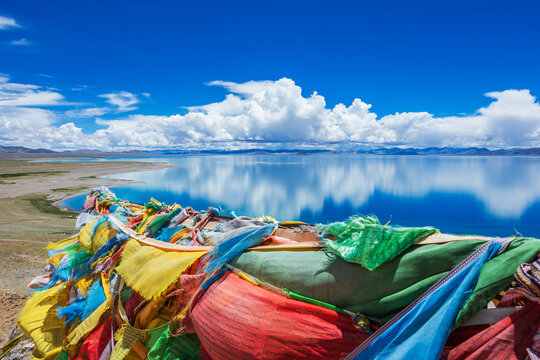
(290, 185)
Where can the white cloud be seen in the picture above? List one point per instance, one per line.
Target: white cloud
(23, 123)
(80, 88)
(15, 118)
(262, 113)
(513, 119)
(20, 42)
(68, 135)
(14, 94)
(88, 112)
(276, 114)
(18, 125)
(7, 22)
(123, 100)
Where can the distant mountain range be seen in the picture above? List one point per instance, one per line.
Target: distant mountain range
(380, 151)
(23, 150)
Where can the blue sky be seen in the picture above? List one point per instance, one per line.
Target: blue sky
(142, 62)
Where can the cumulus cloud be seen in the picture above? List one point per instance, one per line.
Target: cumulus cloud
(24, 122)
(16, 120)
(122, 100)
(262, 113)
(276, 114)
(23, 125)
(7, 23)
(513, 119)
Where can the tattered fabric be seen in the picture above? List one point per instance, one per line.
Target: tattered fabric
(150, 271)
(181, 347)
(383, 292)
(506, 340)
(39, 321)
(419, 332)
(363, 240)
(235, 319)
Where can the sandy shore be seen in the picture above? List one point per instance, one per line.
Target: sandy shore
(29, 218)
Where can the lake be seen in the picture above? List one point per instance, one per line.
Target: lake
(457, 194)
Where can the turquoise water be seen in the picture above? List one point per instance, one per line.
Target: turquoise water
(463, 195)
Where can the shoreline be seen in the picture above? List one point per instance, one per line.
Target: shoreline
(57, 203)
(79, 185)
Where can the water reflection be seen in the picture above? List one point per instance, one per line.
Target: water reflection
(486, 195)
